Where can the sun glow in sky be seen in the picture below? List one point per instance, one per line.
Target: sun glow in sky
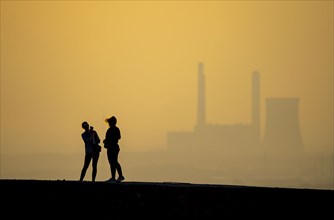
(64, 62)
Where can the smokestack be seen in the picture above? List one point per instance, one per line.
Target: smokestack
(201, 97)
(282, 131)
(256, 104)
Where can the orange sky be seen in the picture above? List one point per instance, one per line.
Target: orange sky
(66, 62)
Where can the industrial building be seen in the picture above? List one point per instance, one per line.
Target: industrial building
(281, 131)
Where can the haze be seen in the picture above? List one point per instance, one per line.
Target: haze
(63, 63)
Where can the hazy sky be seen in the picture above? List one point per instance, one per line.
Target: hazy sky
(66, 62)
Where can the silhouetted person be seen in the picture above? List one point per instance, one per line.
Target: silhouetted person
(91, 139)
(113, 134)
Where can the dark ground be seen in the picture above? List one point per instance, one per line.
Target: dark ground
(52, 199)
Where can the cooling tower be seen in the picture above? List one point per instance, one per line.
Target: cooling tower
(282, 130)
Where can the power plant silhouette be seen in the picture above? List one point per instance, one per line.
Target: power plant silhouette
(281, 133)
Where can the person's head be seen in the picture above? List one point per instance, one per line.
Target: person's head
(111, 121)
(85, 125)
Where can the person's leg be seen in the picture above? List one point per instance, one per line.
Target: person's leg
(111, 159)
(118, 165)
(120, 173)
(85, 166)
(95, 160)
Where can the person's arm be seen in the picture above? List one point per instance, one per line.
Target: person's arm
(106, 139)
(119, 133)
(97, 138)
(84, 138)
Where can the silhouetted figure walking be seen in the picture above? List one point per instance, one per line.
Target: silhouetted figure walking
(92, 151)
(113, 134)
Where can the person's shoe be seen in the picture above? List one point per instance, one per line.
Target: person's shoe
(120, 179)
(111, 180)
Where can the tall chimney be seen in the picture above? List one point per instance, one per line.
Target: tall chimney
(256, 104)
(201, 97)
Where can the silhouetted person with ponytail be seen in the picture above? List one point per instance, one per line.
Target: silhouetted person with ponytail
(92, 150)
(113, 134)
